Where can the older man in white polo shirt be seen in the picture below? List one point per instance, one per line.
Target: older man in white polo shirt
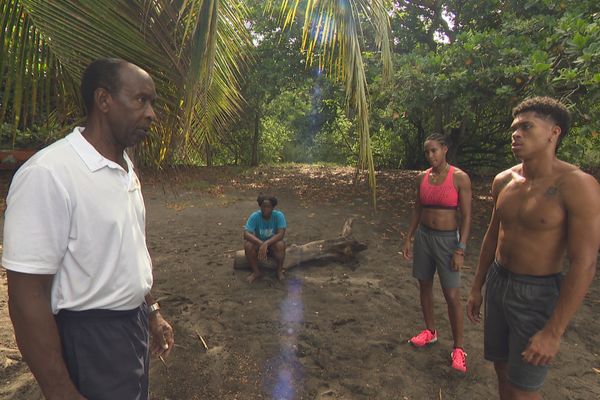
(79, 272)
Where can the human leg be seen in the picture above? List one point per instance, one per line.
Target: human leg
(443, 244)
(507, 390)
(424, 270)
(426, 298)
(503, 388)
(518, 394)
(495, 329)
(429, 335)
(251, 251)
(529, 303)
(278, 250)
(455, 314)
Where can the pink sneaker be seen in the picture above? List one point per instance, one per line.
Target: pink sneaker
(459, 360)
(424, 338)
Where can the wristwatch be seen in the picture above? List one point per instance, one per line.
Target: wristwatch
(153, 307)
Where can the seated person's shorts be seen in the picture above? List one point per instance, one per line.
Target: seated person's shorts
(270, 251)
(516, 308)
(433, 250)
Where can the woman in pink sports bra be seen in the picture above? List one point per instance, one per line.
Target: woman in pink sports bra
(440, 242)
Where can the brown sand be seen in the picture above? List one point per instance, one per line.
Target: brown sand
(331, 331)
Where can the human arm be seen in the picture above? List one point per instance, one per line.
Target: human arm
(280, 225)
(35, 240)
(275, 238)
(249, 236)
(487, 253)
(250, 229)
(415, 217)
(161, 332)
(463, 184)
(37, 334)
(262, 250)
(581, 198)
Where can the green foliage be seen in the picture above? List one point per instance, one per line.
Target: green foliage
(193, 49)
(388, 149)
(335, 143)
(33, 85)
(467, 88)
(582, 147)
(459, 68)
(276, 139)
(34, 137)
(500, 53)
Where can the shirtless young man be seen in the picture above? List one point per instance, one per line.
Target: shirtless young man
(544, 208)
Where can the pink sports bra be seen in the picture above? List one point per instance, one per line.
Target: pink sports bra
(439, 196)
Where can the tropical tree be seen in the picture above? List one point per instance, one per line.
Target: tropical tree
(34, 89)
(332, 37)
(462, 78)
(277, 66)
(192, 48)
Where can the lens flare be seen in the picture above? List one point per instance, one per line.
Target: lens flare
(286, 365)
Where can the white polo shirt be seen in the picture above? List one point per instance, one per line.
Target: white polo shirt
(78, 216)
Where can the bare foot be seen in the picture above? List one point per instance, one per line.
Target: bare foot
(253, 276)
(280, 276)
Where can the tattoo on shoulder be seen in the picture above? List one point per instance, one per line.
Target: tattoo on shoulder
(551, 191)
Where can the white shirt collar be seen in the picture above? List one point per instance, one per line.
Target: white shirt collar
(90, 156)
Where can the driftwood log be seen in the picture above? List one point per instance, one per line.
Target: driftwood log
(342, 249)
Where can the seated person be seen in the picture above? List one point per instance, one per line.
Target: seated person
(263, 236)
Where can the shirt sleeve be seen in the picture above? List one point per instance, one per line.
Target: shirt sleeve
(36, 224)
(281, 222)
(251, 224)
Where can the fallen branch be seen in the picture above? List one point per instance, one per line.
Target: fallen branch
(343, 248)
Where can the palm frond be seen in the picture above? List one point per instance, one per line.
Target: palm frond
(223, 43)
(331, 35)
(192, 48)
(33, 83)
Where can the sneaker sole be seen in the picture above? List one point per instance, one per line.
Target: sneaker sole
(425, 345)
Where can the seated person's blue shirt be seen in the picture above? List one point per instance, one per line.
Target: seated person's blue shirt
(265, 229)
